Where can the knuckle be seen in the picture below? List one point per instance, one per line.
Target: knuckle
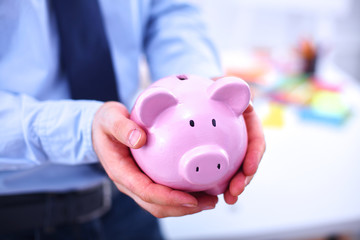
(121, 129)
(116, 126)
(116, 106)
(145, 197)
(111, 176)
(131, 187)
(159, 214)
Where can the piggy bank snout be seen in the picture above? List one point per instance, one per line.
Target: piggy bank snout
(204, 165)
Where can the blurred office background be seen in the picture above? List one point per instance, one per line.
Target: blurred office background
(244, 24)
(307, 186)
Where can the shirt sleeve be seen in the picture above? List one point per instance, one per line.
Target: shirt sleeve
(177, 42)
(35, 132)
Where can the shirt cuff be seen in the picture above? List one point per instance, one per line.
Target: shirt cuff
(63, 130)
(89, 114)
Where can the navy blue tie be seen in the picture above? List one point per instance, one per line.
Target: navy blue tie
(85, 54)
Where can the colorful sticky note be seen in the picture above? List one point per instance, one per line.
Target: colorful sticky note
(275, 117)
(326, 106)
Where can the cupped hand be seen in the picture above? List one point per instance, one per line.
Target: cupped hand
(112, 134)
(254, 153)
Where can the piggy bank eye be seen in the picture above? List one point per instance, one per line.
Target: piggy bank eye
(192, 123)
(214, 122)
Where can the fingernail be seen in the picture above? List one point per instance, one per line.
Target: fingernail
(134, 137)
(247, 181)
(208, 207)
(189, 205)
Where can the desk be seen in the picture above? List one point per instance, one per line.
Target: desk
(307, 185)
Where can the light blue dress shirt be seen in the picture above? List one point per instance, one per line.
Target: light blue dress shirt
(45, 138)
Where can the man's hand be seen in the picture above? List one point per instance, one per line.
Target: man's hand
(112, 133)
(254, 153)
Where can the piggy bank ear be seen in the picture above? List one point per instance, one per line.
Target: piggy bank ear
(153, 102)
(233, 92)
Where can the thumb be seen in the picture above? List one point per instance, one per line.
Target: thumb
(114, 118)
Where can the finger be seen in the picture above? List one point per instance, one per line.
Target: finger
(250, 108)
(248, 180)
(139, 184)
(161, 211)
(167, 211)
(116, 122)
(229, 198)
(237, 184)
(256, 142)
(122, 169)
(206, 202)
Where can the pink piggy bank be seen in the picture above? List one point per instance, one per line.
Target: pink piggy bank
(196, 134)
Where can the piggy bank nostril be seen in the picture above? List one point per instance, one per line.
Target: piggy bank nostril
(182, 77)
(218, 167)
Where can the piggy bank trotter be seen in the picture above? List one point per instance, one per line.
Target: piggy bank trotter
(196, 134)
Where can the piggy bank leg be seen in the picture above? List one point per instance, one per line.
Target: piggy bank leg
(218, 189)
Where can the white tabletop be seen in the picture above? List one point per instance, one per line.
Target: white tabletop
(308, 184)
